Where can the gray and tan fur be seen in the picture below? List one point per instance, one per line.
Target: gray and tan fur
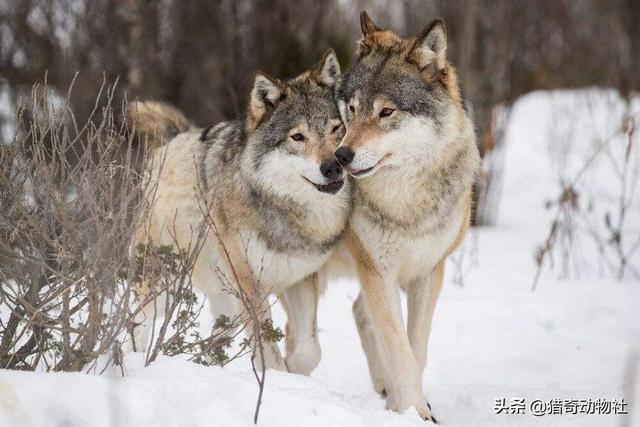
(411, 147)
(277, 194)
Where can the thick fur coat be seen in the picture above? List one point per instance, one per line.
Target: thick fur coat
(411, 146)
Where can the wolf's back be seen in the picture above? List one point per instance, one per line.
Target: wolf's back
(157, 121)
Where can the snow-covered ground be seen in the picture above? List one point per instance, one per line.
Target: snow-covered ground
(492, 338)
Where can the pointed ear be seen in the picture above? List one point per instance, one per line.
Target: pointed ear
(366, 24)
(430, 46)
(368, 27)
(328, 71)
(266, 93)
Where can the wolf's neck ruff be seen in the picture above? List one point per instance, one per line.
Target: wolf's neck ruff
(226, 138)
(286, 225)
(417, 199)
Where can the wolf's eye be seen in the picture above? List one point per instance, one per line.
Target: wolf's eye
(386, 112)
(352, 108)
(297, 137)
(336, 128)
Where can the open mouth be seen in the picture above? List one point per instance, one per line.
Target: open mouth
(331, 188)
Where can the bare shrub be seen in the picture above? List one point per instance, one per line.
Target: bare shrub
(602, 215)
(71, 197)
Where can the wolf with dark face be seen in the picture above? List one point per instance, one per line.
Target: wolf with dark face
(411, 147)
(277, 194)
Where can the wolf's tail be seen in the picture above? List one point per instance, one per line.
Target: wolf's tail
(157, 121)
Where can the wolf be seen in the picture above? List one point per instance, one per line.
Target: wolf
(410, 145)
(278, 196)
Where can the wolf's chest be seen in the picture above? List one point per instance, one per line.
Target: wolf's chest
(405, 255)
(277, 270)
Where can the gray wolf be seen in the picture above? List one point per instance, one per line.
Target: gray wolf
(277, 194)
(411, 146)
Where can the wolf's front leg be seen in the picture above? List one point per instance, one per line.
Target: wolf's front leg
(301, 305)
(272, 356)
(422, 295)
(382, 298)
(402, 381)
(234, 263)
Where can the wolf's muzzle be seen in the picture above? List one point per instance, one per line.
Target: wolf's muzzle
(344, 155)
(331, 169)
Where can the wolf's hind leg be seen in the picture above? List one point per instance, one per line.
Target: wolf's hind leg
(301, 305)
(369, 345)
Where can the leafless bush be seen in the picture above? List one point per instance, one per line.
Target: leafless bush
(71, 196)
(69, 199)
(604, 218)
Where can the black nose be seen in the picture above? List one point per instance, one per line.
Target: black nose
(331, 169)
(344, 155)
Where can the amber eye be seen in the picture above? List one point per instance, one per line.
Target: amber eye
(386, 112)
(297, 137)
(336, 128)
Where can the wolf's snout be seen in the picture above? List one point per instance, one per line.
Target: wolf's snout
(331, 169)
(344, 155)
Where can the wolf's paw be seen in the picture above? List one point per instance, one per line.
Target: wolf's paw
(303, 361)
(425, 413)
(417, 401)
(432, 418)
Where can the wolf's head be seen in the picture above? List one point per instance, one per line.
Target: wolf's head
(400, 99)
(293, 128)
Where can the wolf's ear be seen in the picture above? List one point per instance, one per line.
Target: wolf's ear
(368, 27)
(328, 71)
(366, 24)
(266, 93)
(430, 46)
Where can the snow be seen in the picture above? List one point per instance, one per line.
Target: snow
(174, 392)
(492, 338)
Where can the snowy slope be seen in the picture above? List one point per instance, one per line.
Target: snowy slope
(492, 338)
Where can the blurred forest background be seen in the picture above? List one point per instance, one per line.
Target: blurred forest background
(200, 55)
